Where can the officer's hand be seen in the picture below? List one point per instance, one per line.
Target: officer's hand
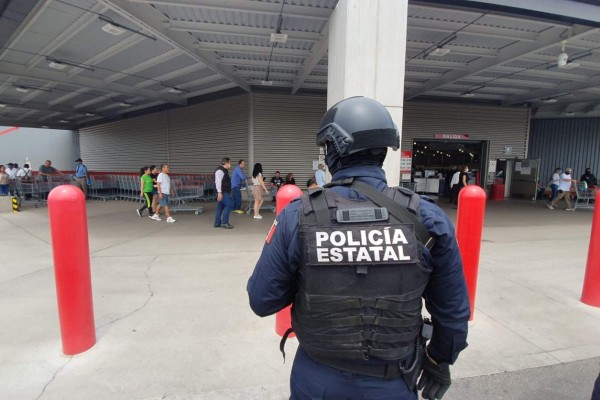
(435, 379)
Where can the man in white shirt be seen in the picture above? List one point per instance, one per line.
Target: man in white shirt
(164, 191)
(320, 175)
(25, 173)
(564, 190)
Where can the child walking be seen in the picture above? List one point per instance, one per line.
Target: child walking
(164, 191)
(146, 188)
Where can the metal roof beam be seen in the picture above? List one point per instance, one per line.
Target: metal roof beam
(212, 89)
(564, 88)
(560, 8)
(241, 62)
(259, 7)
(454, 49)
(240, 48)
(508, 81)
(549, 38)
(41, 107)
(317, 52)
(448, 27)
(80, 23)
(144, 65)
(109, 52)
(25, 26)
(149, 18)
(171, 75)
(225, 29)
(61, 99)
(16, 70)
(559, 74)
(473, 14)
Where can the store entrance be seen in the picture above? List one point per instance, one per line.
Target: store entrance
(435, 161)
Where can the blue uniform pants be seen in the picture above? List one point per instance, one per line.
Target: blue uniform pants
(596, 393)
(311, 380)
(236, 192)
(224, 208)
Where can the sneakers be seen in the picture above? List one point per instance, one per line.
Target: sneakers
(171, 219)
(550, 206)
(139, 213)
(239, 211)
(226, 226)
(258, 217)
(155, 217)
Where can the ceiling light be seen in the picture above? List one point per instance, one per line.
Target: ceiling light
(175, 90)
(469, 94)
(278, 37)
(124, 104)
(439, 52)
(2, 105)
(27, 88)
(62, 64)
(56, 64)
(112, 29)
(549, 101)
(64, 121)
(562, 60)
(90, 114)
(266, 83)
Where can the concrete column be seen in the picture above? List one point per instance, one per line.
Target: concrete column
(367, 52)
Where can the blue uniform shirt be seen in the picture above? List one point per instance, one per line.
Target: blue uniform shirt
(272, 285)
(238, 177)
(80, 171)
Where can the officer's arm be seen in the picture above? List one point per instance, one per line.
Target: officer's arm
(272, 286)
(446, 296)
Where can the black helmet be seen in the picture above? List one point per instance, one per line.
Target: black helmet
(356, 124)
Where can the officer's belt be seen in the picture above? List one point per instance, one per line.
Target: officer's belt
(387, 371)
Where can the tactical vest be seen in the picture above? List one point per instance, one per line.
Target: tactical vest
(361, 277)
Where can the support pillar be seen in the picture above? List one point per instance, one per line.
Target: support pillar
(367, 53)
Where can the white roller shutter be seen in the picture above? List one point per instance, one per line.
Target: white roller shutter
(191, 139)
(125, 145)
(285, 129)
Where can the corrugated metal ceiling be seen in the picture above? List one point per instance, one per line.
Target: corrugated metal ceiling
(170, 52)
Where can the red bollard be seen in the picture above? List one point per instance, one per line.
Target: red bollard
(469, 227)
(68, 227)
(285, 194)
(590, 294)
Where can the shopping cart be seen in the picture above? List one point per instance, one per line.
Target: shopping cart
(103, 187)
(187, 191)
(29, 192)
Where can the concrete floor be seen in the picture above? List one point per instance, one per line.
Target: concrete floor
(173, 321)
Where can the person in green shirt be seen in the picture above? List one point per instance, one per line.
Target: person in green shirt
(146, 187)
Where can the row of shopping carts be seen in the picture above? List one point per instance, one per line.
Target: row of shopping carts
(188, 189)
(35, 191)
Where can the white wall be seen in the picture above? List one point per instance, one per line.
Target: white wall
(39, 145)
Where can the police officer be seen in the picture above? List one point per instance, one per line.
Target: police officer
(356, 259)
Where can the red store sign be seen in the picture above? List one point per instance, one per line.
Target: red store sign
(453, 136)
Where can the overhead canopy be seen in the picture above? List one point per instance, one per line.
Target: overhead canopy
(68, 63)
